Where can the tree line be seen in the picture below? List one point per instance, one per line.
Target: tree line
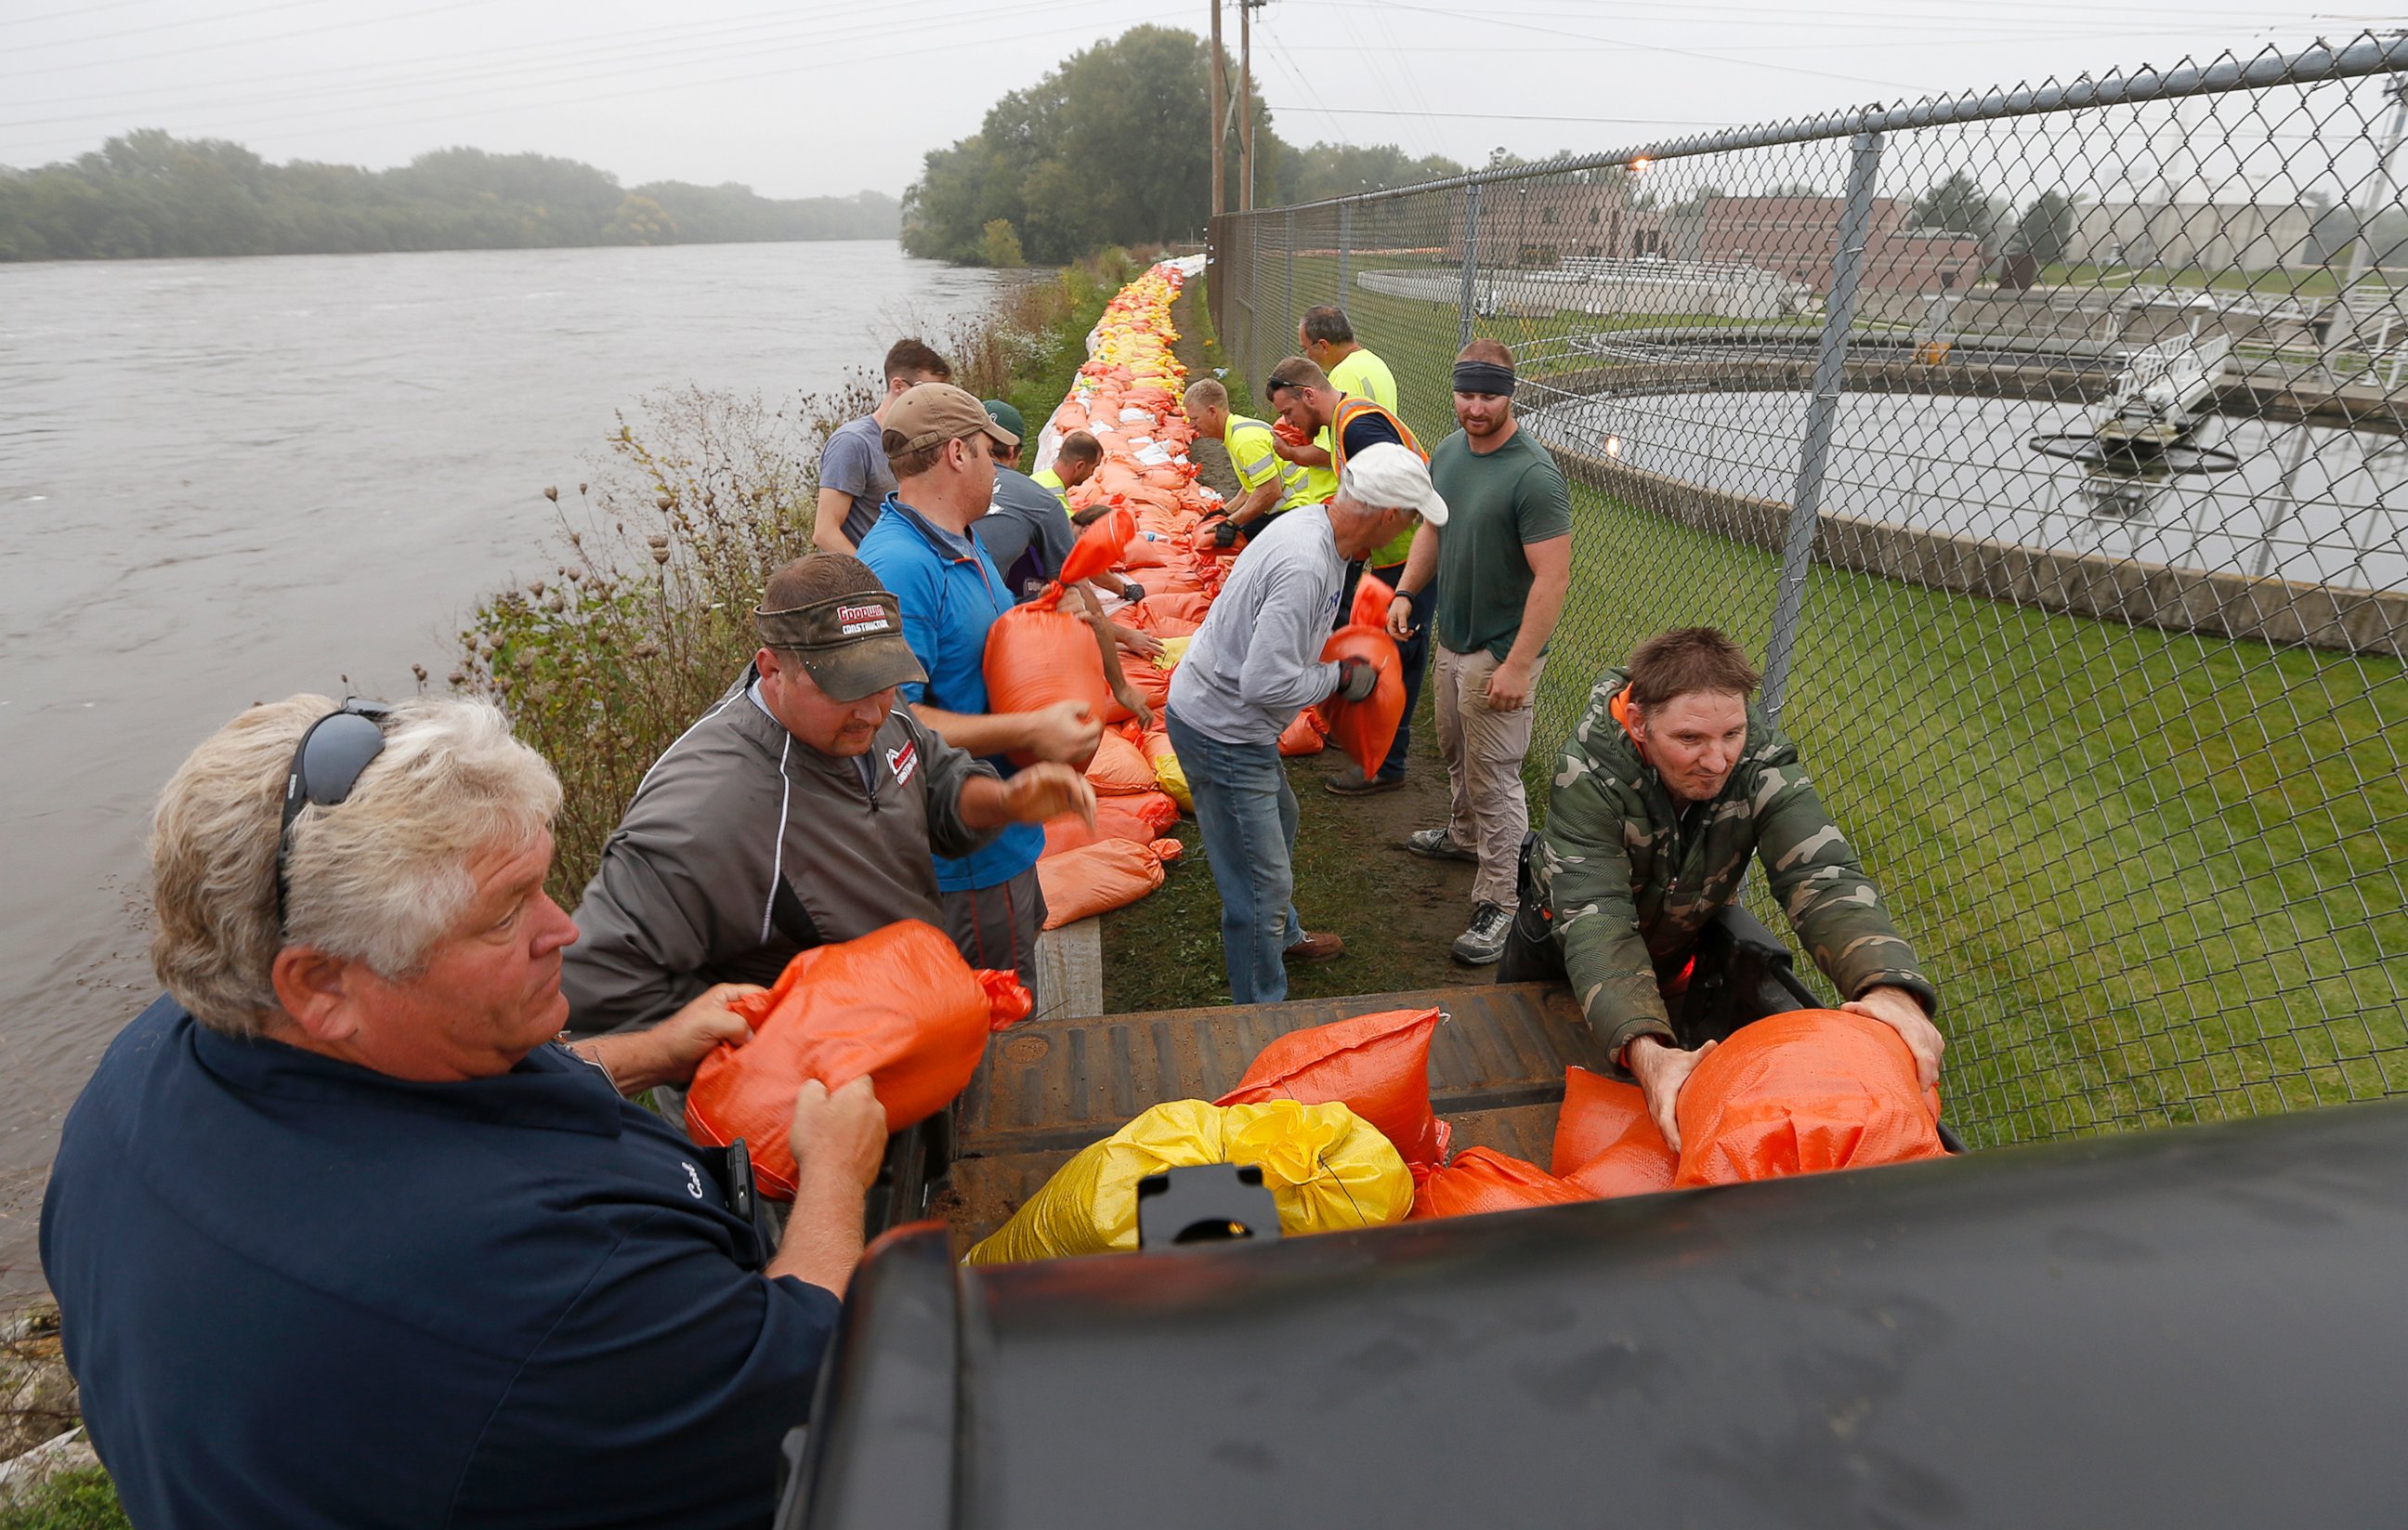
(1115, 148)
(148, 193)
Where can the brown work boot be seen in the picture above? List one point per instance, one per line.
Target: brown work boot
(1324, 947)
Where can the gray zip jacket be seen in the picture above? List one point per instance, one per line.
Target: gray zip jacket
(744, 846)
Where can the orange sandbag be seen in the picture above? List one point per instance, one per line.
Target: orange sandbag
(1168, 851)
(899, 1005)
(1370, 608)
(1093, 879)
(1365, 729)
(1098, 546)
(1119, 767)
(1143, 552)
(1376, 1066)
(1152, 685)
(1605, 1141)
(1482, 1180)
(1181, 606)
(1303, 736)
(1037, 656)
(1139, 817)
(1800, 1092)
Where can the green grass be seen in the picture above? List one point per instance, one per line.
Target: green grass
(2158, 877)
(75, 1500)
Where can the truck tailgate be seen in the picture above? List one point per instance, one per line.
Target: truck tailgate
(1049, 1087)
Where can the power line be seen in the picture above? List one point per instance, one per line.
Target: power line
(1511, 117)
(924, 24)
(1496, 19)
(78, 12)
(546, 50)
(247, 42)
(650, 54)
(161, 26)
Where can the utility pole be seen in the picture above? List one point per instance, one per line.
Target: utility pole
(2361, 249)
(1246, 103)
(1220, 94)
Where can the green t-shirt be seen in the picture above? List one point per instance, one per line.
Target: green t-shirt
(1253, 458)
(1496, 504)
(1365, 376)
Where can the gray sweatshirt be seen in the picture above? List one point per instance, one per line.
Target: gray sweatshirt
(744, 846)
(1257, 661)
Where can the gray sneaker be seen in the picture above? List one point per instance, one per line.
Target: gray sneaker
(1434, 845)
(1484, 942)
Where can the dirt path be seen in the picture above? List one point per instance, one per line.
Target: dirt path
(1398, 913)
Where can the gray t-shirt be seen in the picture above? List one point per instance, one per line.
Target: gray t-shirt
(853, 461)
(1025, 531)
(1257, 661)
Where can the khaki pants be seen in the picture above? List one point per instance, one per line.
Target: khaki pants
(1484, 752)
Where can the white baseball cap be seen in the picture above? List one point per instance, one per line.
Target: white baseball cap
(1387, 477)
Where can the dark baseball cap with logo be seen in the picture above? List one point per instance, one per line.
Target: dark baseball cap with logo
(852, 645)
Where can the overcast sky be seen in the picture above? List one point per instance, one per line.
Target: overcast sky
(814, 96)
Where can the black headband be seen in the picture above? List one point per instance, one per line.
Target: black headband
(1483, 378)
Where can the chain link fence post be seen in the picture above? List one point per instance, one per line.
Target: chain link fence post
(1830, 378)
(1345, 245)
(1470, 260)
(1287, 280)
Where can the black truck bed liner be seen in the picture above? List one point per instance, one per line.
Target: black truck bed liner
(1049, 1087)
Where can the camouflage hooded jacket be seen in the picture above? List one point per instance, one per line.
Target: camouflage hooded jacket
(1633, 878)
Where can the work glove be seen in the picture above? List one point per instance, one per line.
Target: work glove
(1226, 533)
(1356, 679)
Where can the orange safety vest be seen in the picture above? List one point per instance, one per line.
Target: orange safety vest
(1349, 409)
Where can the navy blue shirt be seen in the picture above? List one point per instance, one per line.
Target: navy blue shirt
(299, 1293)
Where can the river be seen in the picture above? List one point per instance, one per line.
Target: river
(227, 480)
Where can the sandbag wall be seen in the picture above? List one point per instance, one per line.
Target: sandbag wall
(1127, 396)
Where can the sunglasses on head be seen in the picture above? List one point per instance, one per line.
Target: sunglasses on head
(326, 764)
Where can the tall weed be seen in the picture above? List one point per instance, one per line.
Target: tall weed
(660, 556)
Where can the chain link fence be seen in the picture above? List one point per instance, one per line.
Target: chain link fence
(2047, 447)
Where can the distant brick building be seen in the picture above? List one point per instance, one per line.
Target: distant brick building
(1796, 235)
(1540, 223)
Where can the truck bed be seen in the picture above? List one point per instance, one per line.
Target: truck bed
(1050, 1087)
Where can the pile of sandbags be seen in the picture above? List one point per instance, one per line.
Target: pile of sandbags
(1127, 396)
(1350, 1139)
(1155, 533)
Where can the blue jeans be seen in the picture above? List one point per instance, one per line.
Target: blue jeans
(1247, 815)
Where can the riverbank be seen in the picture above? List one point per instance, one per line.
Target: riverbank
(228, 480)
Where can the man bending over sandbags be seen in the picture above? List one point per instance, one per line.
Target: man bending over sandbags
(801, 809)
(1252, 664)
(1669, 783)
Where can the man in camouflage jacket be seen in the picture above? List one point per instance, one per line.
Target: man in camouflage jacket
(1672, 778)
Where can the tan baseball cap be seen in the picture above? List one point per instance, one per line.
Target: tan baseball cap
(928, 413)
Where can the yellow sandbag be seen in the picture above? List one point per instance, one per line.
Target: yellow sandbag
(1173, 649)
(1171, 778)
(1324, 1167)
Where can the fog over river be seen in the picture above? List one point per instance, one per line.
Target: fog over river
(224, 482)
